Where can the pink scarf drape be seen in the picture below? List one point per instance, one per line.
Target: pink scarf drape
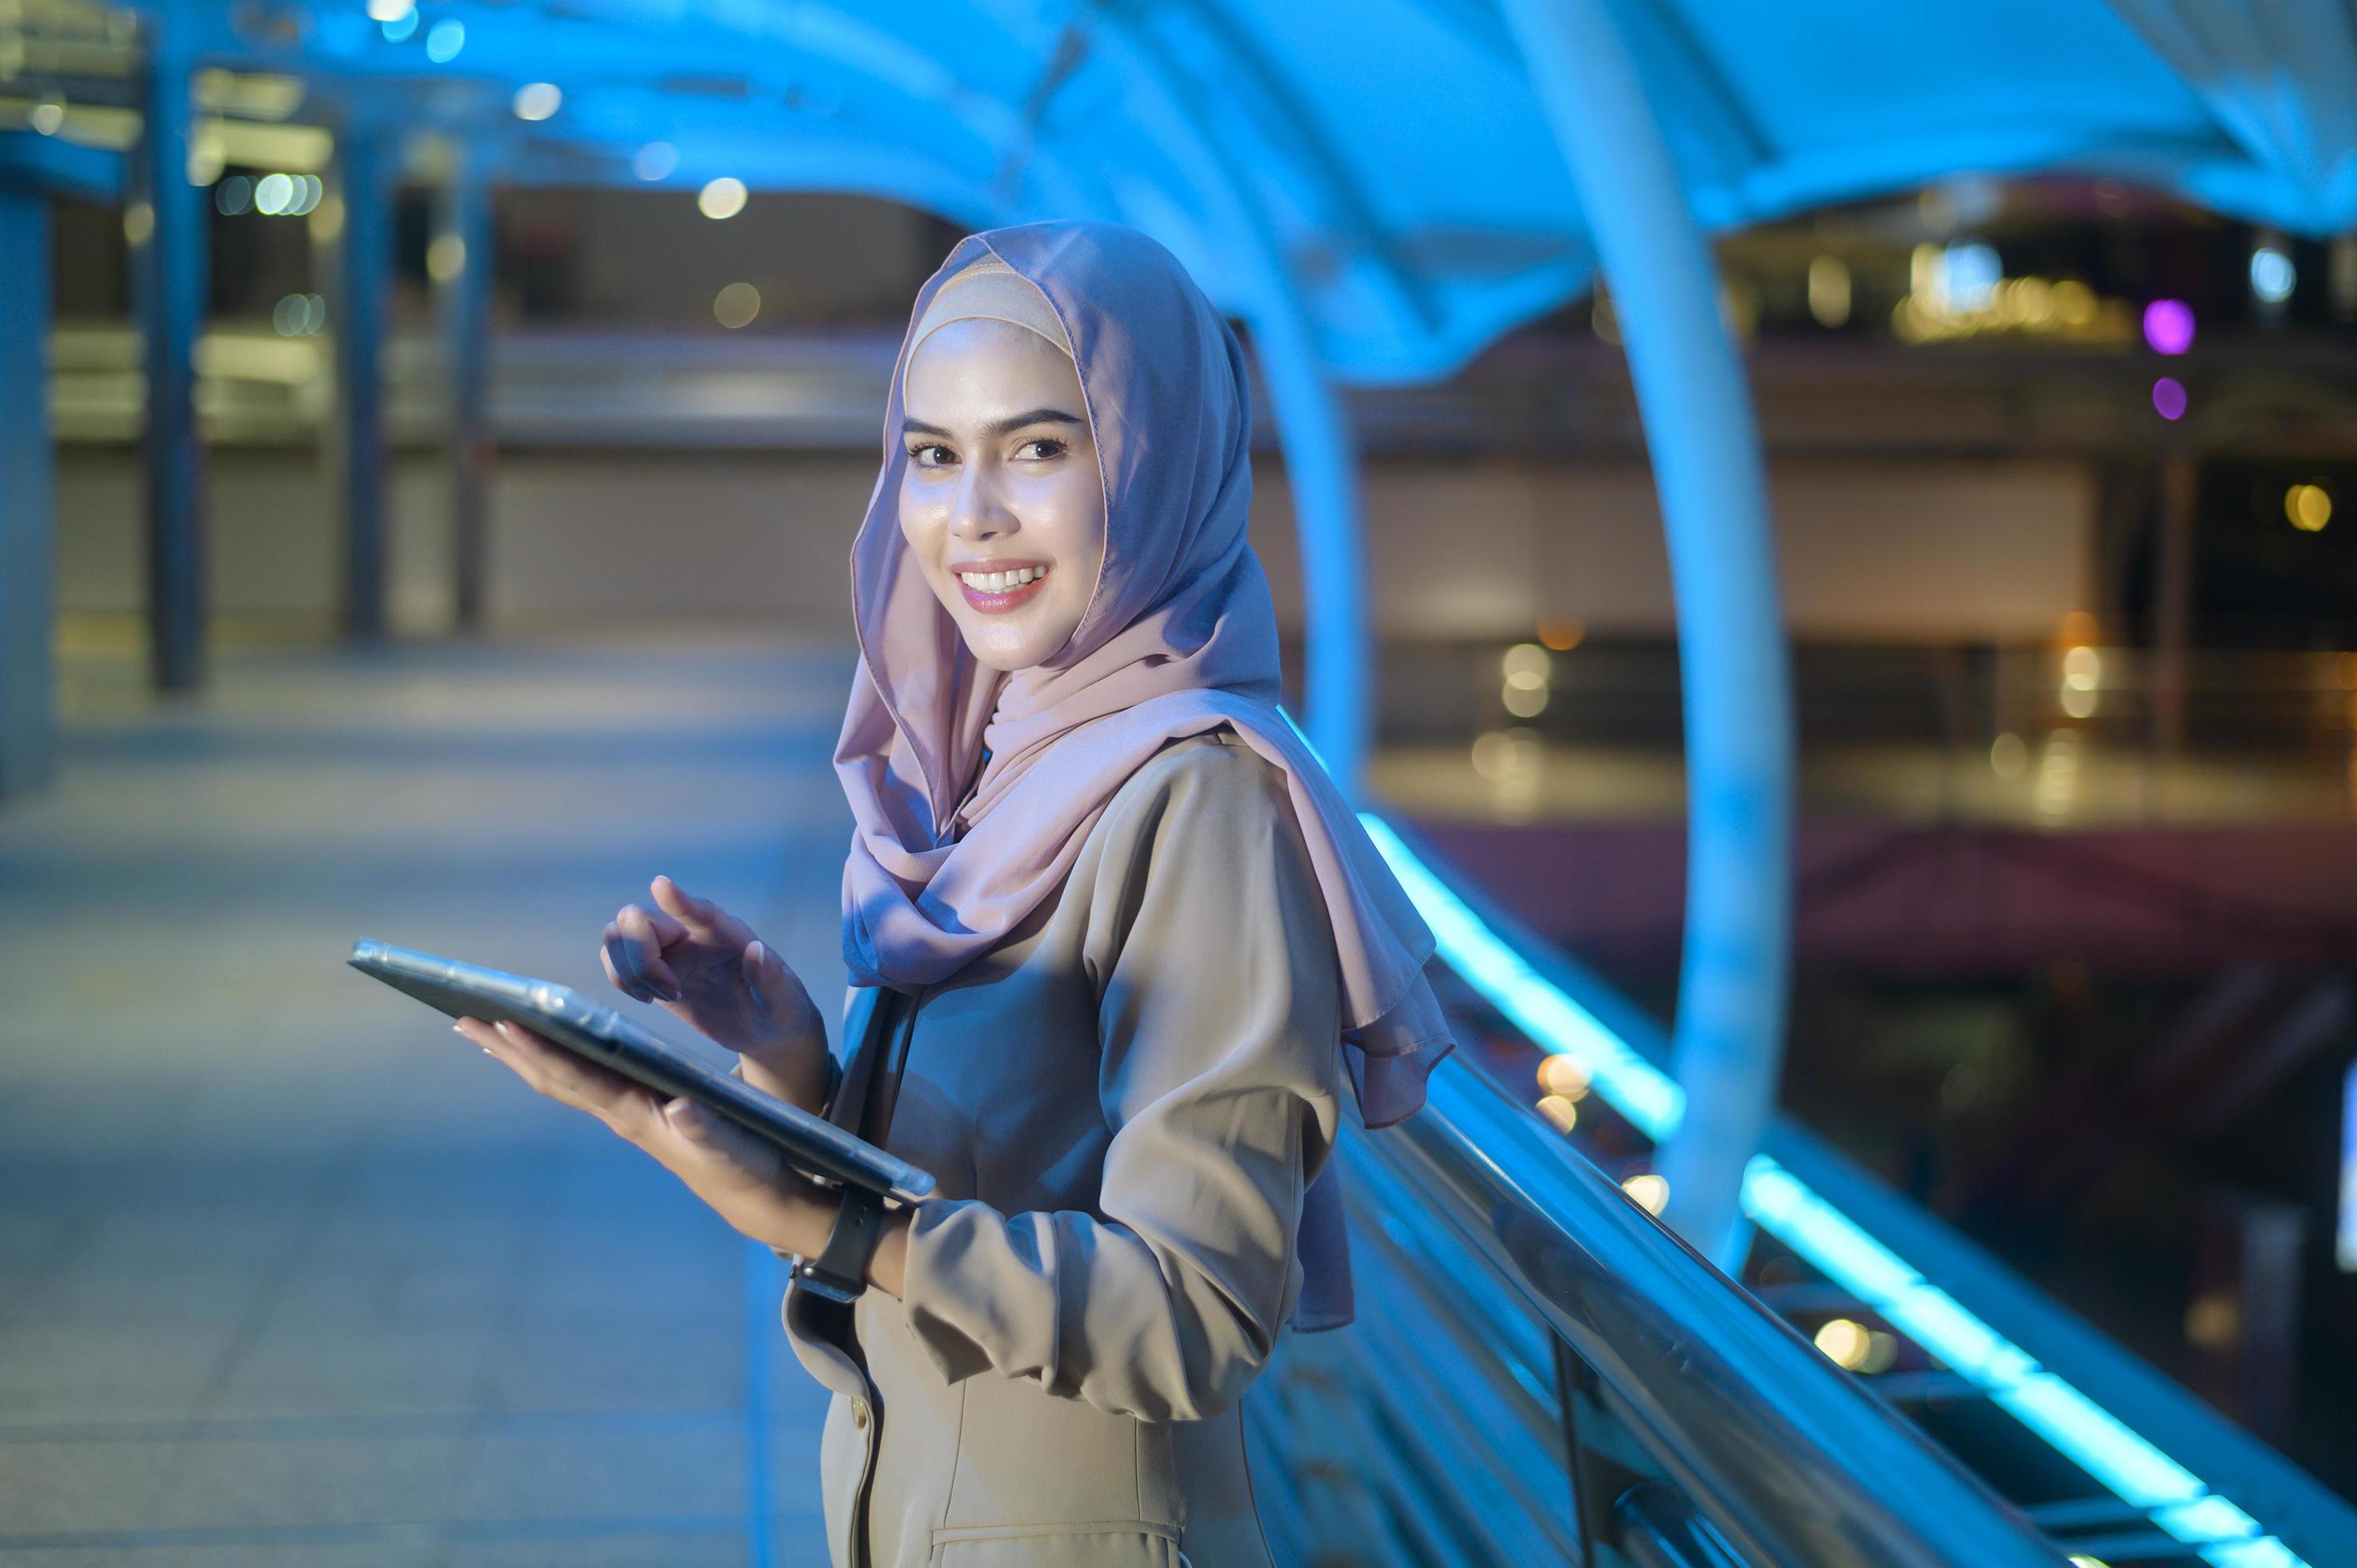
(949, 852)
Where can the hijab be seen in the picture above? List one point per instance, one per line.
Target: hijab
(972, 791)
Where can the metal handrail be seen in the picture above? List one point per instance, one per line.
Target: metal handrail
(1784, 1455)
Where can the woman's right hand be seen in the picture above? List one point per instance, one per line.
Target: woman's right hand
(704, 966)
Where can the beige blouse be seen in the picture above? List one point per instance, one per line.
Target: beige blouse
(1122, 1105)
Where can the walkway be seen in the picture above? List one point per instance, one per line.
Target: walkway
(289, 1275)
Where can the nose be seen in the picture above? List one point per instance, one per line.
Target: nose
(978, 509)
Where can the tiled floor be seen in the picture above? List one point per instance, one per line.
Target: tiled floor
(288, 1275)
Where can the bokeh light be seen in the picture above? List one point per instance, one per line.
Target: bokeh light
(2168, 326)
(2272, 275)
(1526, 666)
(1829, 291)
(299, 316)
(1561, 1113)
(446, 257)
(737, 305)
(1563, 1077)
(444, 39)
(1843, 1342)
(2169, 398)
(538, 100)
(2308, 507)
(1649, 1192)
(723, 198)
(655, 161)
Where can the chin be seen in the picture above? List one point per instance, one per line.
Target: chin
(1004, 660)
(996, 645)
(1007, 649)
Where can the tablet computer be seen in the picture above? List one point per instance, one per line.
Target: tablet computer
(813, 1146)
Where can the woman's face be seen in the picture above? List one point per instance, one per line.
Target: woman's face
(1001, 500)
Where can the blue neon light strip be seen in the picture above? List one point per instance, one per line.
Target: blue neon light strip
(1786, 1207)
(2345, 1240)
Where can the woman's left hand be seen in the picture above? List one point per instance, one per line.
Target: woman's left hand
(747, 1182)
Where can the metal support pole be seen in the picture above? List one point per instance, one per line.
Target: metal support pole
(1322, 465)
(165, 222)
(1733, 667)
(352, 231)
(460, 260)
(27, 502)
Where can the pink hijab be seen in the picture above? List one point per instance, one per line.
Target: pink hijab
(972, 791)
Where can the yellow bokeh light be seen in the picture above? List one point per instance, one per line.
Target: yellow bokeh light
(1525, 701)
(446, 258)
(1562, 1112)
(2082, 669)
(1648, 1192)
(1526, 665)
(1844, 1342)
(2213, 1322)
(723, 198)
(1563, 1076)
(1562, 636)
(2309, 508)
(1829, 290)
(737, 305)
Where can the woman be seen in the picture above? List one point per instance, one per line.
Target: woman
(1115, 940)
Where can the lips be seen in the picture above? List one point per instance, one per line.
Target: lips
(996, 601)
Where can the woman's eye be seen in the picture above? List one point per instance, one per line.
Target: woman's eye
(1042, 449)
(931, 455)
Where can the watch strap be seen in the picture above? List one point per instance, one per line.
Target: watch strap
(839, 1272)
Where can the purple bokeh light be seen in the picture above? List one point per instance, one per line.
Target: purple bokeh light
(2169, 398)
(2168, 326)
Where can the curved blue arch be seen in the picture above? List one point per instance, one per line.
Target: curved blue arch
(1732, 665)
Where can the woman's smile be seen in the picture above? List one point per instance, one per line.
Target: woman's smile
(994, 587)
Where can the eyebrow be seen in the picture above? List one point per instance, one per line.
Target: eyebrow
(997, 427)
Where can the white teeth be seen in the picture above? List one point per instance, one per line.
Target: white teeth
(999, 582)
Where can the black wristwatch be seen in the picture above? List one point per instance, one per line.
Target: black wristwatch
(840, 1272)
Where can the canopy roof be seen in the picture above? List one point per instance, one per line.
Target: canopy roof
(1382, 161)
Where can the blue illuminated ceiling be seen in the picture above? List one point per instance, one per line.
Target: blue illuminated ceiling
(1389, 151)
